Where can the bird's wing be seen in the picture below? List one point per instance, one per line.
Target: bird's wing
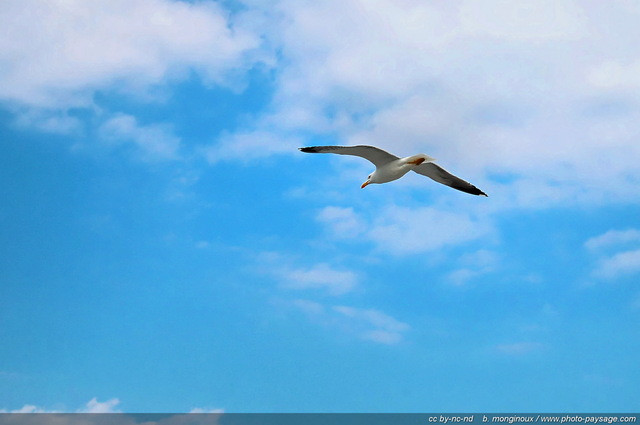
(376, 155)
(439, 174)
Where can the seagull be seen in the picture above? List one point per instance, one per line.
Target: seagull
(389, 167)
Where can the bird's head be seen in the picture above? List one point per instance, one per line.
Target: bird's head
(370, 179)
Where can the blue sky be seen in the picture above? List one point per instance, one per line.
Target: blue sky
(165, 247)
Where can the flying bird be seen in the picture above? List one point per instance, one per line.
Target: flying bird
(389, 167)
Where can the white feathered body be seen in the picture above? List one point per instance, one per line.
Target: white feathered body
(395, 169)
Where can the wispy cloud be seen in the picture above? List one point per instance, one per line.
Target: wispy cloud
(519, 348)
(109, 406)
(250, 146)
(620, 264)
(365, 323)
(374, 325)
(206, 410)
(92, 406)
(331, 280)
(343, 222)
(616, 75)
(625, 260)
(309, 307)
(27, 408)
(473, 265)
(613, 238)
(50, 121)
(322, 279)
(319, 276)
(404, 230)
(545, 20)
(153, 142)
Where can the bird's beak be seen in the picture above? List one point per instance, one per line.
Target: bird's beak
(365, 184)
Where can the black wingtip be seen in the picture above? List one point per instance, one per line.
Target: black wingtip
(472, 190)
(310, 149)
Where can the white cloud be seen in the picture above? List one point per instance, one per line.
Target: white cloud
(356, 52)
(406, 230)
(250, 146)
(92, 406)
(482, 259)
(27, 408)
(309, 307)
(153, 142)
(474, 264)
(315, 276)
(537, 20)
(393, 50)
(519, 348)
(402, 230)
(343, 222)
(50, 121)
(620, 264)
(372, 317)
(613, 238)
(203, 245)
(460, 277)
(374, 325)
(57, 53)
(319, 276)
(109, 406)
(205, 410)
(617, 251)
(365, 323)
(613, 75)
